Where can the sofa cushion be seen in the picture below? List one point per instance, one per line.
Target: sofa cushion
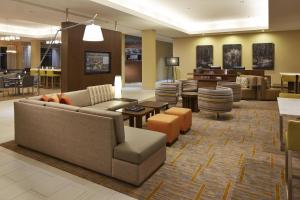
(62, 106)
(53, 98)
(116, 116)
(44, 98)
(243, 81)
(139, 145)
(64, 99)
(80, 98)
(101, 93)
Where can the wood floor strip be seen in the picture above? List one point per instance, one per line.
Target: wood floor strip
(176, 158)
(272, 161)
(242, 174)
(243, 140)
(210, 147)
(183, 146)
(282, 176)
(277, 192)
(200, 192)
(226, 142)
(253, 150)
(210, 160)
(196, 173)
(241, 160)
(199, 141)
(226, 191)
(155, 190)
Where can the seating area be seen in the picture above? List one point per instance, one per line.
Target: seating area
(149, 100)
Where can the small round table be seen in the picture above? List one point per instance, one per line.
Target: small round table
(190, 100)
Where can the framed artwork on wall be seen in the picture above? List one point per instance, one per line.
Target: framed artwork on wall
(232, 56)
(204, 56)
(263, 55)
(97, 62)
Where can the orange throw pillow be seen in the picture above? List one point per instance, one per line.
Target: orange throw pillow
(65, 99)
(54, 98)
(44, 98)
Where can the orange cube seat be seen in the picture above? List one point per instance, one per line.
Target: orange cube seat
(185, 117)
(168, 124)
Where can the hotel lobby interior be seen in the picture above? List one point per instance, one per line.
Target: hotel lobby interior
(160, 99)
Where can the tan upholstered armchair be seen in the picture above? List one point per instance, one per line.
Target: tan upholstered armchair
(250, 92)
(264, 89)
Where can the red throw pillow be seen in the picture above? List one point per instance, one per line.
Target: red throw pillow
(54, 98)
(44, 98)
(65, 99)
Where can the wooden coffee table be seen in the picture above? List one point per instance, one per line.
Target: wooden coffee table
(156, 105)
(190, 100)
(137, 117)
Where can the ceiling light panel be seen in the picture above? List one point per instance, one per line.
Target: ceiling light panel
(42, 32)
(195, 17)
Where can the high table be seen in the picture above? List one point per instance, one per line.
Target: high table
(287, 108)
(296, 75)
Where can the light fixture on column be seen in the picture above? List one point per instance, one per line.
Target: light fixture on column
(118, 86)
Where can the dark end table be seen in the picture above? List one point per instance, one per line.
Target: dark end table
(137, 117)
(190, 100)
(156, 105)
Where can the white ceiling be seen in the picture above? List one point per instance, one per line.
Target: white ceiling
(41, 14)
(196, 17)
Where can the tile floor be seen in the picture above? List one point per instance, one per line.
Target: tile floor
(22, 178)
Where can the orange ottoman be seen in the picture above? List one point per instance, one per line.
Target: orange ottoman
(168, 124)
(185, 117)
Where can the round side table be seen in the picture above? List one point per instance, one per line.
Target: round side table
(190, 100)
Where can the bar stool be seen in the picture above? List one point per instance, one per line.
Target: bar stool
(292, 138)
(53, 75)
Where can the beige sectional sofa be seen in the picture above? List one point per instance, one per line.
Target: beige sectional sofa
(89, 136)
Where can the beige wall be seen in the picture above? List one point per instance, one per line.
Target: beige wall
(148, 59)
(163, 49)
(287, 50)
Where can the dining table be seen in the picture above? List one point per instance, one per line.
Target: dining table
(287, 108)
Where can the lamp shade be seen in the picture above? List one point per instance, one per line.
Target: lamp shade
(118, 86)
(172, 61)
(93, 33)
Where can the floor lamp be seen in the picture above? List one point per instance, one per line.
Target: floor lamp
(172, 62)
(92, 33)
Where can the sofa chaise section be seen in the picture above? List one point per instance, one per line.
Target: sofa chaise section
(139, 156)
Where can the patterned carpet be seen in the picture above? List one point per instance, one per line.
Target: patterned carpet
(236, 157)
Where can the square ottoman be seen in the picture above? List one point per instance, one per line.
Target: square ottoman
(185, 117)
(168, 124)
